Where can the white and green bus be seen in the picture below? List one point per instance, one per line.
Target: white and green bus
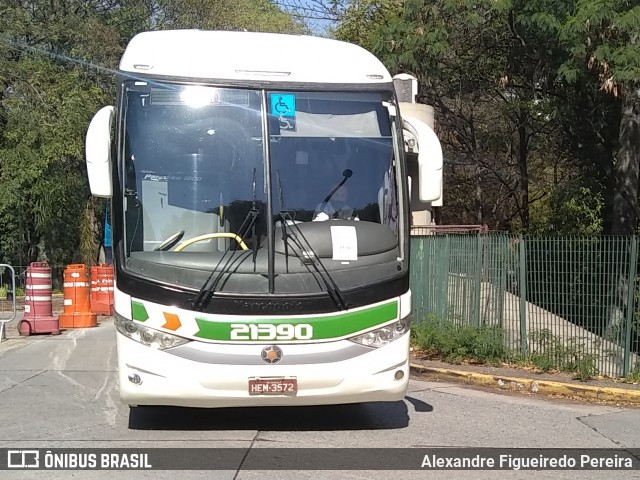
(260, 220)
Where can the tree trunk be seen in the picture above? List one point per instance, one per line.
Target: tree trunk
(479, 204)
(625, 202)
(607, 173)
(625, 196)
(523, 150)
(478, 172)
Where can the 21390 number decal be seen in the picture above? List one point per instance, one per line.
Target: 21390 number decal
(270, 331)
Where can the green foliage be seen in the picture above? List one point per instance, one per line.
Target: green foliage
(456, 343)
(569, 210)
(552, 353)
(362, 18)
(528, 99)
(439, 42)
(43, 177)
(602, 37)
(251, 15)
(632, 377)
(496, 119)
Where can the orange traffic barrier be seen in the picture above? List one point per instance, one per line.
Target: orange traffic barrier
(102, 290)
(77, 304)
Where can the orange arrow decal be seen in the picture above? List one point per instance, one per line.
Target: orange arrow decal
(173, 322)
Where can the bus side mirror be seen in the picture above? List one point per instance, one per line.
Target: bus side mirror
(98, 152)
(429, 159)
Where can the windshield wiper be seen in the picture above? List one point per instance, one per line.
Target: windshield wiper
(205, 292)
(310, 258)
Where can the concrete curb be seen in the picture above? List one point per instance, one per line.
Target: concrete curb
(530, 386)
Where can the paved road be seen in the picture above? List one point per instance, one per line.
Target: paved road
(61, 392)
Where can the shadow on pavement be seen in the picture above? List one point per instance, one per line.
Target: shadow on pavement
(361, 416)
(419, 405)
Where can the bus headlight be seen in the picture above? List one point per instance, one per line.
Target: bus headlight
(147, 336)
(384, 335)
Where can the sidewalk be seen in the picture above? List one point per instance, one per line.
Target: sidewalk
(527, 381)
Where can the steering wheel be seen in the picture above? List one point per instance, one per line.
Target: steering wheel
(170, 242)
(208, 236)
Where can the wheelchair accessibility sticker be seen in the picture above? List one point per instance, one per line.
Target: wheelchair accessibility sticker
(283, 104)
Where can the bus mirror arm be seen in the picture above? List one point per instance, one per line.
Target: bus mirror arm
(347, 175)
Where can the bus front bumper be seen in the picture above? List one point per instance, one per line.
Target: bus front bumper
(153, 377)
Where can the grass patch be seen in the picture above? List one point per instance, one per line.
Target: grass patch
(550, 352)
(455, 344)
(632, 377)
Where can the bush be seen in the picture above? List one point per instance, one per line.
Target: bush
(633, 376)
(455, 343)
(552, 353)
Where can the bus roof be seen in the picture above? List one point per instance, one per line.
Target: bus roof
(246, 56)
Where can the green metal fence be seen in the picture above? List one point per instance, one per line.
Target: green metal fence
(565, 300)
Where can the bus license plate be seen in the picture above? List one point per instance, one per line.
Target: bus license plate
(273, 386)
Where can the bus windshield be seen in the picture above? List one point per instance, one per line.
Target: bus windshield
(196, 170)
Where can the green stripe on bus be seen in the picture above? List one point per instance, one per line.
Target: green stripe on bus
(333, 326)
(139, 312)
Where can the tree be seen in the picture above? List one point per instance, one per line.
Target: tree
(603, 42)
(495, 111)
(528, 94)
(361, 19)
(46, 103)
(57, 65)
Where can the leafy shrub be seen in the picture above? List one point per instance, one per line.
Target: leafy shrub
(455, 343)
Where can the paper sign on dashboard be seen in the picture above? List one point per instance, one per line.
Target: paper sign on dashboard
(345, 243)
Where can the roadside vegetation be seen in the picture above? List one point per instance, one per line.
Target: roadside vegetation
(632, 377)
(458, 344)
(465, 344)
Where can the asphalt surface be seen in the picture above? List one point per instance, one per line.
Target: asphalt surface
(61, 391)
